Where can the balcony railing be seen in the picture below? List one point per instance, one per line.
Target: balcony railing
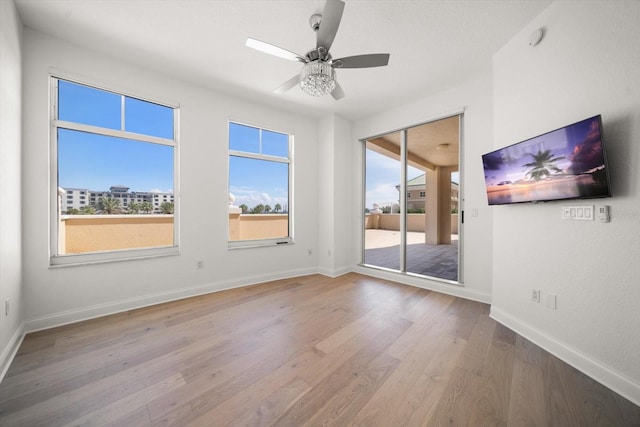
(415, 222)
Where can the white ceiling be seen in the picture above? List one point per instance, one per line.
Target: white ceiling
(434, 45)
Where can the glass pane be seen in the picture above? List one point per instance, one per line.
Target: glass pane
(275, 144)
(382, 210)
(95, 164)
(432, 233)
(86, 105)
(148, 118)
(260, 209)
(244, 138)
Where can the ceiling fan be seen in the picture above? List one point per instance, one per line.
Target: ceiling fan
(318, 75)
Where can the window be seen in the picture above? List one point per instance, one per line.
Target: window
(260, 170)
(92, 131)
(423, 194)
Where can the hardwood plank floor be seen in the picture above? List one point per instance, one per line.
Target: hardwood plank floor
(304, 351)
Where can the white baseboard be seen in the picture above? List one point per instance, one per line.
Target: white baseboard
(432, 285)
(599, 372)
(333, 273)
(99, 310)
(11, 350)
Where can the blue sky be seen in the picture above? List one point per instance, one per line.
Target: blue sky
(252, 181)
(97, 162)
(383, 174)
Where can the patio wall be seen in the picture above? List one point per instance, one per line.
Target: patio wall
(256, 226)
(415, 222)
(95, 233)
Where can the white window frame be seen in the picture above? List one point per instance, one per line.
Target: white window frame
(236, 244)
(59, 260)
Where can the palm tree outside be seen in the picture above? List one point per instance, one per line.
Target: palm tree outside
(166, 208)
(109, 206)
(134, 208)
(88, 210)
(146, 207)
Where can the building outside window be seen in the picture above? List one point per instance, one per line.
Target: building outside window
(260, 171)
(93, 129)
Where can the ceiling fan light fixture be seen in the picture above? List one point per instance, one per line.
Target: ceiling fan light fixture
(318, 78)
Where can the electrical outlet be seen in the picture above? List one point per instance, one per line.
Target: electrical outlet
(200, 264)
(535, 295)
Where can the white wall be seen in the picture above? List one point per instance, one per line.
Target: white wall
(587, 64)
(335, 196)
(10, 178)
(67, 294)
(475, 98)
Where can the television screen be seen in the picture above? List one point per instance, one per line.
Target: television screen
(567, 163)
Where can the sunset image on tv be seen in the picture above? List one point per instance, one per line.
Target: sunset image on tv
(566, 163)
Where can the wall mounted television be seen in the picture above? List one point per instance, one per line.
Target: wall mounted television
(567, 163)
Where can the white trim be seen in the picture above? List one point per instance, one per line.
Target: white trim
(259, 243)
(116, 133)
(10, 351)
(111, 256)
(109, 85)
(99, 310)
(603, 374)
(259, 156)
(442, 286)
(333, 273)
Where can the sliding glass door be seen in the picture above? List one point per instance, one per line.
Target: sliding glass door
(411, 204)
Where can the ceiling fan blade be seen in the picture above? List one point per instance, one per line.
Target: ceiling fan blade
(362, 61)
(337, 92)
(288, 84)
(273, 50)
(331, 17)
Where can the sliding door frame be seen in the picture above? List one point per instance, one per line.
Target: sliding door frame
(403, 199)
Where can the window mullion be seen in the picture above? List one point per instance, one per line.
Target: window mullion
(122, 113)
(113, 132)
(258, 156)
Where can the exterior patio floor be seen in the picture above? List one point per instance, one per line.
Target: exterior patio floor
(382, 249)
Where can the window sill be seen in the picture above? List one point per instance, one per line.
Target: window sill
(64, 261)
(244, 244)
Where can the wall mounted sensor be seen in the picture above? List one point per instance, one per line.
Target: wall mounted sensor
(604, 213)
(536, 37)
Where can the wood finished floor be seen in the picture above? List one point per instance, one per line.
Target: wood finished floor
(306, 351)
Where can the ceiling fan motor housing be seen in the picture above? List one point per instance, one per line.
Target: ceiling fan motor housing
(318, 78)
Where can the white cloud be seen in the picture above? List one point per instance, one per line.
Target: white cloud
(157, 190)
(383, 194)
(251, 198)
